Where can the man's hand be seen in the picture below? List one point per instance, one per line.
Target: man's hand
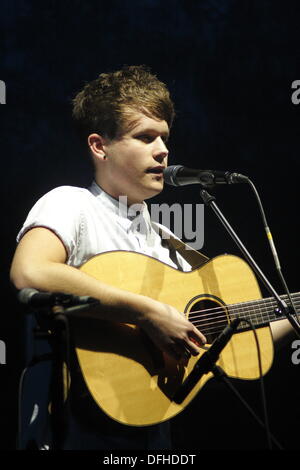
(171, 331)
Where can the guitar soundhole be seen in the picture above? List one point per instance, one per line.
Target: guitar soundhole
(209, 317)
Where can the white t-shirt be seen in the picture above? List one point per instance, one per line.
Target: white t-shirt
(90, 222)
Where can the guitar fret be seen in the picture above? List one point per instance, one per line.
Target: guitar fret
(262, 311)
(256, 312)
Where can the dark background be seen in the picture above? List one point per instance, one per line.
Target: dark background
(229, 66)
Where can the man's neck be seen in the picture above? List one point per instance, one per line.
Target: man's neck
(119, 196)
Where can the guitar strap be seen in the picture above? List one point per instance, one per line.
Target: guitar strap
(193, 257)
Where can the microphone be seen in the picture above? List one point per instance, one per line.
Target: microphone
(39, 299)
(179, 175)
(206, 362)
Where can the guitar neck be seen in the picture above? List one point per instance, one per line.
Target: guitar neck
(263, 311)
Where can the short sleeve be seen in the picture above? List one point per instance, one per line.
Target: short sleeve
(60, 211)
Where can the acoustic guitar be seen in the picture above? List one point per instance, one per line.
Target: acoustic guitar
(128, 377)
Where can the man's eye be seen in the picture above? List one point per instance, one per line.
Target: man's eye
(145, 138)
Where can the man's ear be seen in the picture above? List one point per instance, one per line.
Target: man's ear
(96, 143)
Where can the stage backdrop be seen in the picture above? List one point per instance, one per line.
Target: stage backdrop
(233, 69)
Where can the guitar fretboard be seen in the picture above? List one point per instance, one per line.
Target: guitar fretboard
(258, 312)
(262, 311)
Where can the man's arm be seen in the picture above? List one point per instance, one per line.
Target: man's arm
(40, 263)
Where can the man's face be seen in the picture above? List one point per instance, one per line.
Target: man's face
(135, 160)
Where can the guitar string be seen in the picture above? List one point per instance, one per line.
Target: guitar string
(203, 318)
(213, 314)
(210, 328)
(247, 304)
(240, 307)
(248, 314)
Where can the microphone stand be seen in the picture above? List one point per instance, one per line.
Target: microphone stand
(209, 200)
(58, 335)
(218, 373)
(58, 392)
(221, 375)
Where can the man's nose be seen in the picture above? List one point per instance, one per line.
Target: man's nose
(161, 150)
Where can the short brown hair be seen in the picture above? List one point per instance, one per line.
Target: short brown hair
(104, 104)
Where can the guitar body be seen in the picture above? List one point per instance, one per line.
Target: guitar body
(130, 379)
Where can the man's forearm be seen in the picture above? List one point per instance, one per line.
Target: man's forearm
(115, 304)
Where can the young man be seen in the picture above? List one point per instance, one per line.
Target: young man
(125, 118)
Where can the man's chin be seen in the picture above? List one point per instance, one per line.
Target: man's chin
(154, 191)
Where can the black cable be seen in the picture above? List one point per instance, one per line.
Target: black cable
(262, 387)
(272, 246)
(220, 374)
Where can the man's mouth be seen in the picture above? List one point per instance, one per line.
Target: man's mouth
(156, 170)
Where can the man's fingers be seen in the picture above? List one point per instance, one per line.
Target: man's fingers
(198, 338)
